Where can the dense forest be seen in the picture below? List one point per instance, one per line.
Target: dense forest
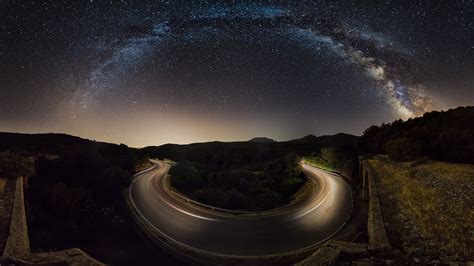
(444, 136)
(251, 187)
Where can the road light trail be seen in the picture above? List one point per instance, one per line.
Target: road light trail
(297, 227)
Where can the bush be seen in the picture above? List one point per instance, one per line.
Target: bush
(267, 199)
(290, 185)
(186, 176)
(235, 200)
(13, 165)
(115, 178)
(402, 149)
(334, 159)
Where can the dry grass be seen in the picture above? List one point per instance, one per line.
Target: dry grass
(435, 197)
(3, 183)
(143, 165)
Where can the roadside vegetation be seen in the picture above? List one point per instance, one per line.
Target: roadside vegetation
(428, 207)
(332, 159)
(253, 187)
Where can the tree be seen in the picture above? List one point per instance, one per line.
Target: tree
(115, 178)
(186, 175)
(290, 185)
(268, 199)
(331, 156)
(13, 165)
(445, 136)
(235, 200)
(402, 149)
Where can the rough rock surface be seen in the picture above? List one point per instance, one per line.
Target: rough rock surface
(332, 251)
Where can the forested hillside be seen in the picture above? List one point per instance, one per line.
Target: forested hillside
(444, 136)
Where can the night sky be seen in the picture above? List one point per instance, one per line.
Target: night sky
(146, 74)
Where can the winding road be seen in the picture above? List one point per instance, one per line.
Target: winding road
(295, 227)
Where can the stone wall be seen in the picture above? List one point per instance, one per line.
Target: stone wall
(378, 240)
(6, 207)
(18, 244)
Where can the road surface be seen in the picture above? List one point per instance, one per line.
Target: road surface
(300, 226)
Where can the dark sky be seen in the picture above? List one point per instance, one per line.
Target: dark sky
(159, 72)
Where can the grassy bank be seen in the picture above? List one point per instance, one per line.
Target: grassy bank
(428, 206)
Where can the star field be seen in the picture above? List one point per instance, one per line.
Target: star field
(158, 72)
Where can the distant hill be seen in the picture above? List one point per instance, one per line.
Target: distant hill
(444, 136)
(50, 143)
(218, 154)
(333, 140)
(225, 155)
(308, 138)
(261, 140)
(328, 140)
(40, 143)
